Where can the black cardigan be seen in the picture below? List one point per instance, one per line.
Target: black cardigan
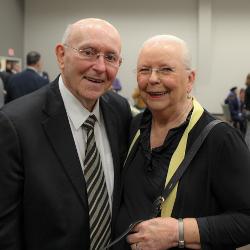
(215, 189)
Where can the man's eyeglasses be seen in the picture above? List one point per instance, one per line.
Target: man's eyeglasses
(92, 54)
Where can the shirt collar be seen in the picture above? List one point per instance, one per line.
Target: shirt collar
(76, 112)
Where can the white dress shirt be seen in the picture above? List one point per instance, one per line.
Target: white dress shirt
(77, 115)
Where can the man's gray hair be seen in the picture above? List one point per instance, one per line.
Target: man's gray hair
(66, 34)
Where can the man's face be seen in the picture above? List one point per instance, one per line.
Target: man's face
(168, 84)
(88, 79)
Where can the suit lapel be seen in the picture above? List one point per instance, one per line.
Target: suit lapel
(59, 134)
(111, 125)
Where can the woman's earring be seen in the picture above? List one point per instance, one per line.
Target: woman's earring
(188, 95)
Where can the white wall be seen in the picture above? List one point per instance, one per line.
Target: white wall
(216, 31)
(11, 26)
(230, 51)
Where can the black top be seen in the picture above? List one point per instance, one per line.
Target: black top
(146, 180)
(214, 183)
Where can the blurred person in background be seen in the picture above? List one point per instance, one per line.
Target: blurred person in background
(28, 80)
(138, 101)
(236, 107)
(116, 85)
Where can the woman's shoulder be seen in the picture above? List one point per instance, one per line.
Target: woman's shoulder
(221, 131)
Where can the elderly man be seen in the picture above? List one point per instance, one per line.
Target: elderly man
(62, 148)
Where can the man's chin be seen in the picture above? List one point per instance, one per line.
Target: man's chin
(94, 95)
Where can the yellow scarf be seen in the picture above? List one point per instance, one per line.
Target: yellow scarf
(176, 158)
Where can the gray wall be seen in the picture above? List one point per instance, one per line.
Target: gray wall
(12, 27)
(216, 30)
(136, 21)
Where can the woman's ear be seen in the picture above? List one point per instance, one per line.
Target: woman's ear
(191, 79)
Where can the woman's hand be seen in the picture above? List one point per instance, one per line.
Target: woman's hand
(155, 234)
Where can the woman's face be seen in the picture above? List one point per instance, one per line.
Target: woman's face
(163, 79)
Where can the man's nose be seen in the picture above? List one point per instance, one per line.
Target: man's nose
(100, 65)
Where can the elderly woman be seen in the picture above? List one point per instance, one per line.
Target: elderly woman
(209, 208)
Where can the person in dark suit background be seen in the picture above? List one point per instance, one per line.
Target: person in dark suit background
(236, 110)
(11, 68)
(43, 191)
(28, 80)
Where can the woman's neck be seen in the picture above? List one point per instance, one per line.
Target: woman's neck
(173, 117)
(161, 124)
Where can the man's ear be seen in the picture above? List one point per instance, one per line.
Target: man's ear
(60, 52)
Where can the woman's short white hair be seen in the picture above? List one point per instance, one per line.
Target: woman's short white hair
(170, 38)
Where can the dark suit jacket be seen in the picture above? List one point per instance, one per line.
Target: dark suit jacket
(24, 83)
(43, 201)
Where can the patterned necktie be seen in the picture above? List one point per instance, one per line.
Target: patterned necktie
(98, 200)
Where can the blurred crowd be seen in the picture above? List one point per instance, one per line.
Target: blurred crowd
(238, 101)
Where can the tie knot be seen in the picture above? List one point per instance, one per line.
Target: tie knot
(90, 122)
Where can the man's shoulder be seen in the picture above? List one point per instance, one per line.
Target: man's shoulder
(29, 73)
(18, 77)
(114, 99)
(218, 133)
(113, 96)
(112, 104)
